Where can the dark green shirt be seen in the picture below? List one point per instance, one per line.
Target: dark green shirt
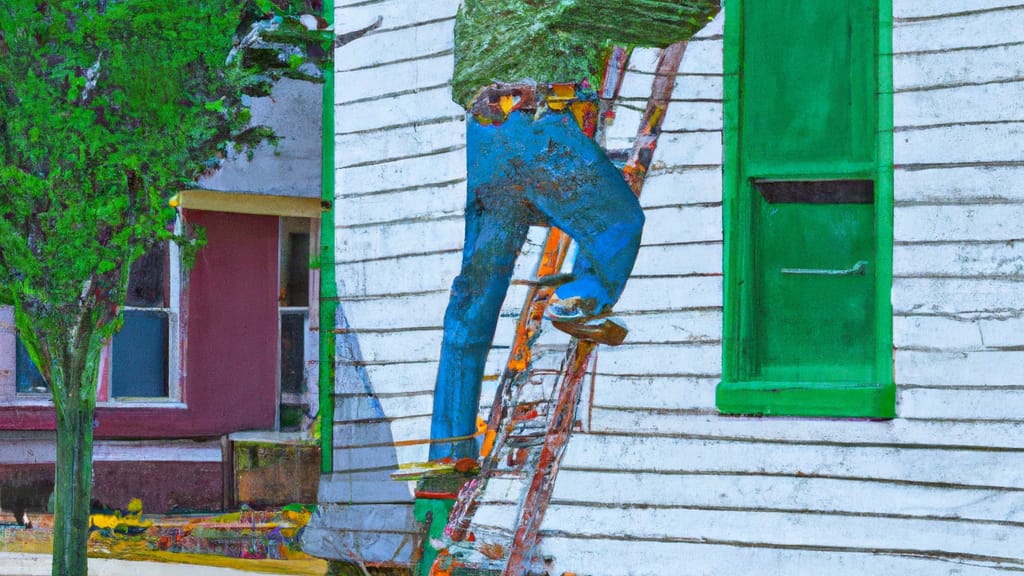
(561, 40)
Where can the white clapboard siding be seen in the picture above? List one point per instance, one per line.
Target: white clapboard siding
(400, 110)
(385, 277)
(908, 10)
(962, 296)
(937, 332)
(960, 222)
(380, 312)
(385, 46)
(681, 420)
(395, 144)
(445, 166)
(986, 103)
(962, 143)
(945, 184)
(636, 87)
(682, 223)
(928, 70)
(445, 199)
(624, 556)
(694, 186)
(402, 238)
(957, 267)
(672, 454)
(396, 429)
(791, 528)
(973, 28)
(395, 79)
(394, 14)
(400, 188)
(661, 483)
(943, 367)
(994, 258)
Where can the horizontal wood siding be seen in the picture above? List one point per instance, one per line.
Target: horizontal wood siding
(400, 190)
(662, 480)
(659, 482)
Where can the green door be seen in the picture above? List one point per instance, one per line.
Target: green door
(808, 209)
(814, 288)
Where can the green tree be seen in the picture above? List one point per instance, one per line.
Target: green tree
(107, 108)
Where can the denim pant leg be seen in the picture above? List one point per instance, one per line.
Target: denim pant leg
(497, 221)
(579, 189)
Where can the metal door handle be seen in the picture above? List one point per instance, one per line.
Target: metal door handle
(855, 270)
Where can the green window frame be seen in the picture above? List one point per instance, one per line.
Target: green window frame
(779, 143)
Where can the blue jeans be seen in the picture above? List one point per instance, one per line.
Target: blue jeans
(526, 172)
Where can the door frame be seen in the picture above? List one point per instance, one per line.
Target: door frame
(738, 393)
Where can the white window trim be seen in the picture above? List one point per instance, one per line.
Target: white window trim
(174, 339)
(311, 340)
(9, 396)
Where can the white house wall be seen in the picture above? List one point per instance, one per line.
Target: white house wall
(661, 483)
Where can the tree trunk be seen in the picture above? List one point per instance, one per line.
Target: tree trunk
(73, 484)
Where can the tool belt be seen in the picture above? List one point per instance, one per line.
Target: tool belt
(494, 103)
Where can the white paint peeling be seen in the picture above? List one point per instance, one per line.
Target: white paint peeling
(1000, 258)
(969, 298)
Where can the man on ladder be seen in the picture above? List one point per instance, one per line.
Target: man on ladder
(520, 66)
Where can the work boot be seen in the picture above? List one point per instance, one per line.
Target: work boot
(603, 330)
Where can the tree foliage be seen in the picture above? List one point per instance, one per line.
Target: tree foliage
(108, 108)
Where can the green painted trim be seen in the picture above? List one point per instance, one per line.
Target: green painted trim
(738, 393)
(737, 237)
(806, 399)
(328, 286)
(884, 189)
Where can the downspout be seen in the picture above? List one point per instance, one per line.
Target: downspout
(328, 287)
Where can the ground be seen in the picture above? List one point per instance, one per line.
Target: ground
(241, 542)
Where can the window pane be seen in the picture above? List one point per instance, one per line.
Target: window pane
(148, 278)
(293, 352)
(296, 289)
(27, 376)
(139, 366)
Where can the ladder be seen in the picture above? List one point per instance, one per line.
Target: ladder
(534, 409)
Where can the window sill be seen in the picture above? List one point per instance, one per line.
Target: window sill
(170, 405)
(22, 402)
(271, 437)
(822, 399)
(47, 403)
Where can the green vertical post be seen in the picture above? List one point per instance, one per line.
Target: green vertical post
(886, 198)
(734, 232)
(328, 286)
